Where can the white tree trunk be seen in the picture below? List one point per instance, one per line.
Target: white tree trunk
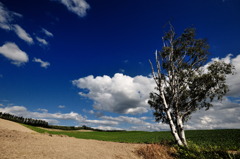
(171, 123)
(174, 130)
(181, 131)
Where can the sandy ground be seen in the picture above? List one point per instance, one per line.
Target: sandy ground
(18, 142)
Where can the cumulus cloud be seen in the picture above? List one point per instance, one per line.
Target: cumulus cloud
(42, 41)
(78, 7)
(46, 32)
(232, 80)
(22, 34)
(6, 17)
(119, 94)
(12, 52)
(22, 111)
(223, 114)
(43, 64)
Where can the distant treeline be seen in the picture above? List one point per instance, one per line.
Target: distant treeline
(84, 127)
(28, 121)
(69, 127)
(44, 124)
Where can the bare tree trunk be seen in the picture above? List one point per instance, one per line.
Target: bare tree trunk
(171, 123)
(181, 131)
(174, 129)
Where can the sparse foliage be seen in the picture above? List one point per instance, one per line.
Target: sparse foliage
(28, 121)
(184, 84)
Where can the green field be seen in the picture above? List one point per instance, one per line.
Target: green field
(203, 144)
(227, 139)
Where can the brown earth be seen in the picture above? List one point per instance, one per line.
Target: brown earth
(19, 142)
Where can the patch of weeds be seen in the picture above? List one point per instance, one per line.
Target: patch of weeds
(211, 152)
(156, 151)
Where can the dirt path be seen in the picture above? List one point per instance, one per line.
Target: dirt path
(19, 142)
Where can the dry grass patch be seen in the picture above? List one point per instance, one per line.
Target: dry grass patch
(156, 151)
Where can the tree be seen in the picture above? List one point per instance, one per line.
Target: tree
(184, 83)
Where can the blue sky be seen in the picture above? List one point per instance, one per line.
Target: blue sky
(85, 62)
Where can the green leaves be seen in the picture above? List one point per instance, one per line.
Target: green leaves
(187, 86)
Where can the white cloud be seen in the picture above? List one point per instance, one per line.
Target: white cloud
(125, 119)
(6, 17)
(46, 32)
(144, 118)
(101, 122)
(6, 23)
(232, 80)
(134, 123)
(61, 106)
(42, 63)
(223, 114)
(119, 94)
(42, 41)
(42, 110)
(95, 113)
(22, 111)
(150, 127)
(13, 53)
(22, 34)
(78, 7)
(54, 117)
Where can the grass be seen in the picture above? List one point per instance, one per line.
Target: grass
(125, 136)
(227, 139)
(203, 144)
